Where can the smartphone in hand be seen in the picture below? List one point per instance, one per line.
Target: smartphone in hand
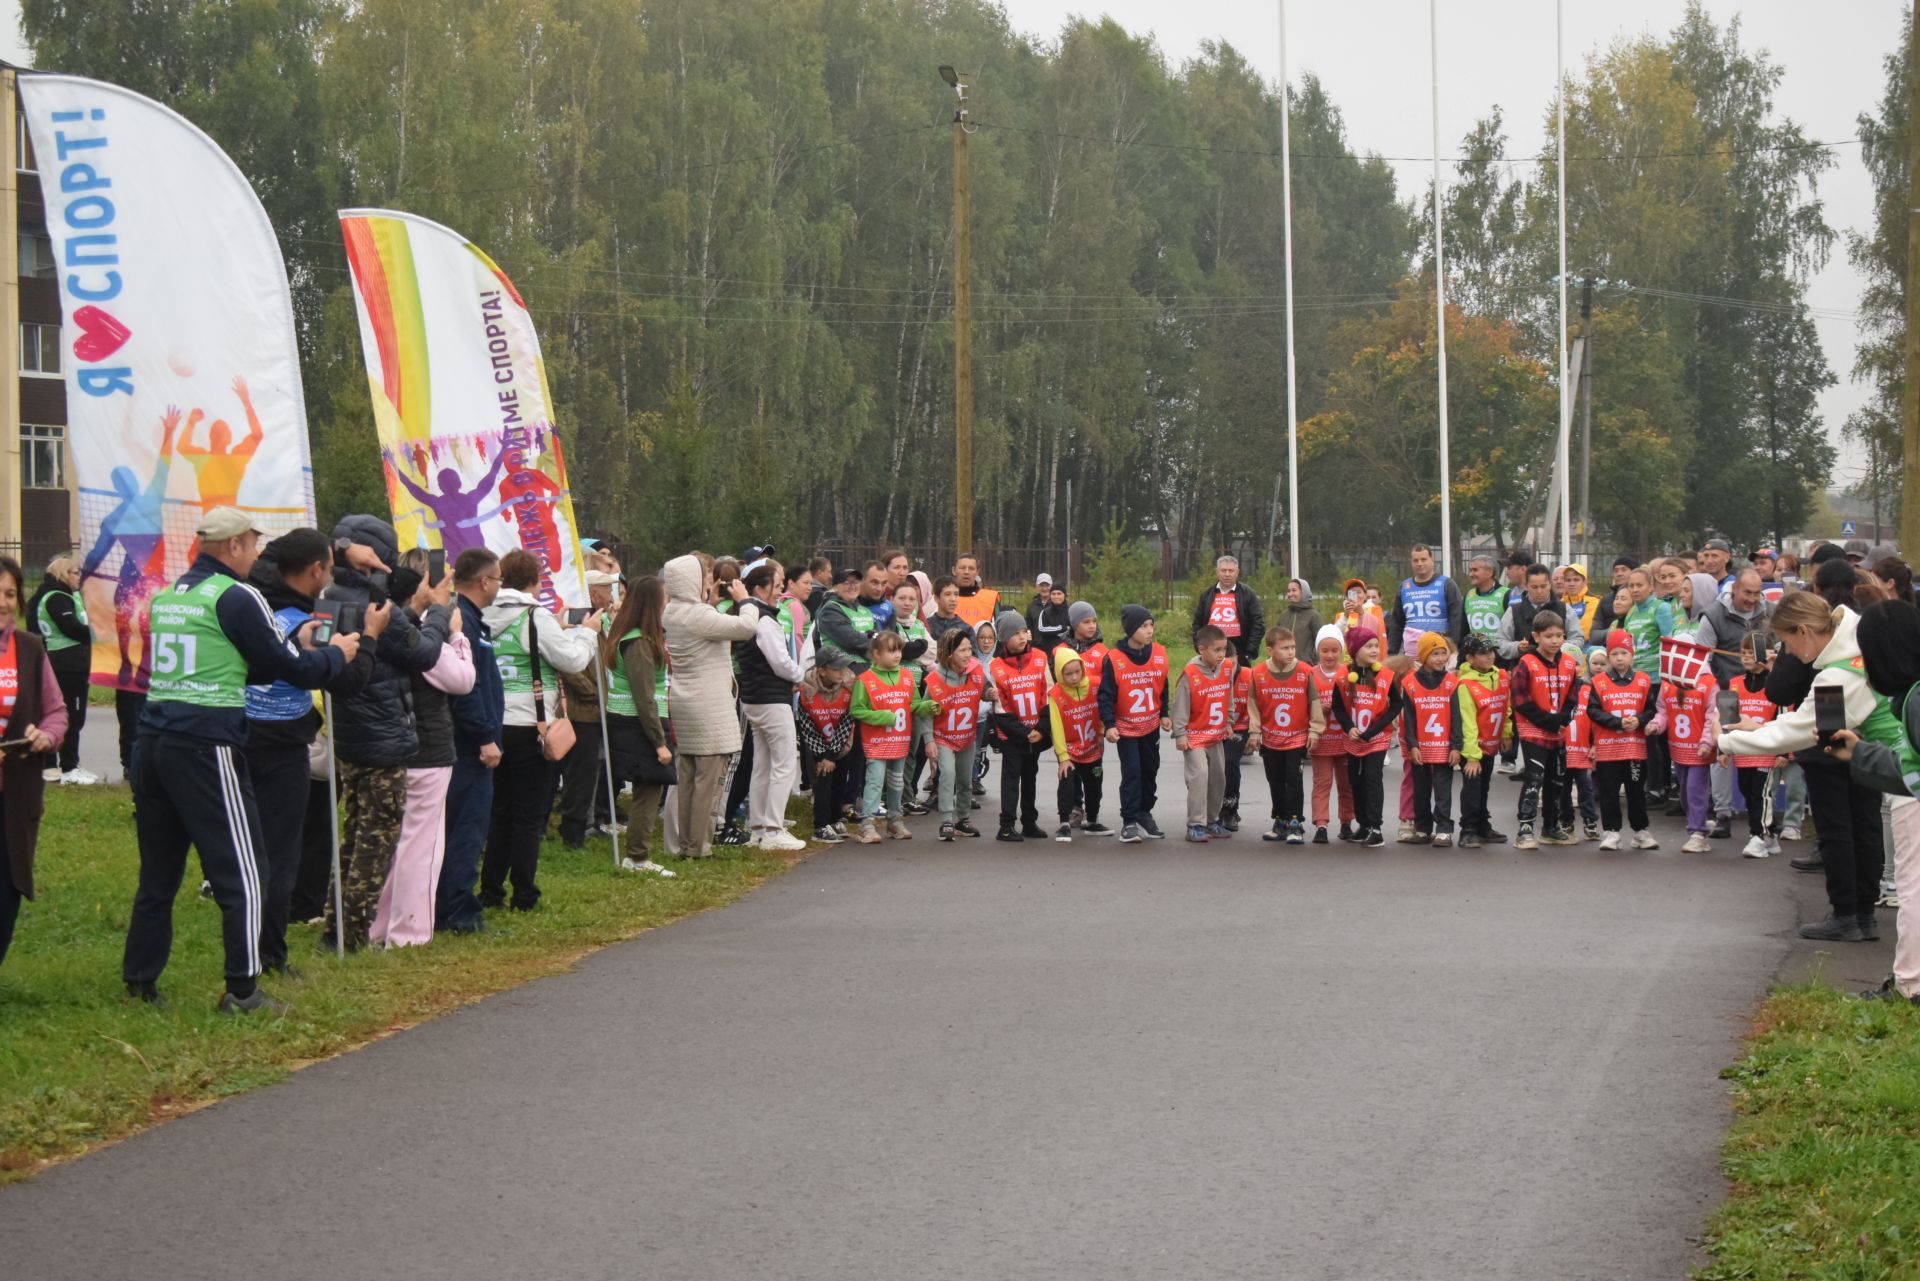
(1829, 713)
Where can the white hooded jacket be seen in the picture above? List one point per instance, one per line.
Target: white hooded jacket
(562, 650)
(700, 693)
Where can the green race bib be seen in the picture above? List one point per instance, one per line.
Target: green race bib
(193, 661)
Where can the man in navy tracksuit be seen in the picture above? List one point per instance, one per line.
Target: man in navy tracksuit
(477, 717)
(211, 635)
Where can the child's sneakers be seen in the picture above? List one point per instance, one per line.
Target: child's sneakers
(1610, 840)
(1756, 847)
(1773, 844)
(1219, 830)
(1697, 843)
(1442, 840)
(1320, 835)
(1008, 832)
(1278, 832)
(964, 827)
(1197, 834)
(1352, 834)
(868, 834)
(1151, 830)
(1229, 817)
(1407, 833)
(1373, 840)
(898, 830)
(1297, 832)
(1095, 828)
(829, 834)
(1130, 834)
(1593, 831)
(1525, 840)
(946, 831)
(1558, 836)
(1064, 834)
(1643, 840)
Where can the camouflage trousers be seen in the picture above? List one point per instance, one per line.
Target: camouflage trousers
(374, 800)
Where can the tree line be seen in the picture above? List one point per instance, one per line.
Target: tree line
(733, 222)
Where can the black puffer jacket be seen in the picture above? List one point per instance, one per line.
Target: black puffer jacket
(432, 710)
(376, 728)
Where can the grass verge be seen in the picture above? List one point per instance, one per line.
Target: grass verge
(80, 1064)
(1824, 1156)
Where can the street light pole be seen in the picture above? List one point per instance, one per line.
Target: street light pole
(962, 320)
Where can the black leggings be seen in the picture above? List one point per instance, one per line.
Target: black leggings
(1852, 850)
(1081, 790)
(1753, 787)
(1369, 792)
(1019, 778)
(73, 692)
(1608, 778)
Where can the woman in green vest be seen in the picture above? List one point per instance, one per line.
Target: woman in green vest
(58, 617)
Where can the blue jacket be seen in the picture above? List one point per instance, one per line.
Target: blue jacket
(477, 715)
(249, 625)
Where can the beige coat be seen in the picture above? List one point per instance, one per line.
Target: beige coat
(700, 692)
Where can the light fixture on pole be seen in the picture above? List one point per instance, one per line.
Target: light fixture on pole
(962, 319)
(1286, 243)
(1440, 303)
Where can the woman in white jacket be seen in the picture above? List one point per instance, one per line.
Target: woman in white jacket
(524, 630)
(700, 693)
(1847, 814)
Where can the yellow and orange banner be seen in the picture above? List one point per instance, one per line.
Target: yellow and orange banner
(467, 438)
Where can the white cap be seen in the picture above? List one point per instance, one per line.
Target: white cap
(600, 578)
(1043, 578)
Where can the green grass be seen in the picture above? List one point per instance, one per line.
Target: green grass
(1824, 1156)
(80, 1064)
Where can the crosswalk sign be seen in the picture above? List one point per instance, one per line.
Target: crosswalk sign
(1848, 529)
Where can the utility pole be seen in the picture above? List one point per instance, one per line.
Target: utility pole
(1910, 401)
(1586, 416)
(963, 319)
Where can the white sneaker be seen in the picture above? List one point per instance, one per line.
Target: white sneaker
(1773, 845)
(647, 865)
(80, 777)
(1643, 840)
(1756, 847)
(1697, 843)
(1790, 834)
(1609, 841)
(780, 842)
(52, 774)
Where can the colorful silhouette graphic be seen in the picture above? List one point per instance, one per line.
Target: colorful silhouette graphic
(219, 467)
(456, 511)
(137, 524)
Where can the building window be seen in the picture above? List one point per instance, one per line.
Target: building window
(39, 349)
(43, 455)
(23, 143)
(36, 254)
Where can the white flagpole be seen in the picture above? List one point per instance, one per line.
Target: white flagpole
(1286, 241)
(1440, 305)
(333, 821)
(1561, 464)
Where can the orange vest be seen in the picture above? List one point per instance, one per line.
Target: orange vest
(1490, 711)
(1580, 739)
(1755, 706)
(1022, 684)
(1140, 686)
(1687, 712)
(888, 742)
(1432, 716)
(978, 608)
(1224, 613)
(1209, 703)
(826, 713)
(955, 724)
(1283, 706)
(1621, 699)
(1080, 718)
(1549, 689)
(1367, 700)
(1333, 742)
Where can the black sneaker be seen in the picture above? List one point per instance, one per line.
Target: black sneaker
(1278, 832)
(1810, 864)
(1888, 992)
(913, 808)
(1033, 832)
(965, 828)
(946, 831)
(1469, 840)
(1869, 928)
(1008, 834)
(256, 1002)
(1351, 834)
(731, 834)
(1064, 834)
(1835, 929)
(1095, 828)
(1319, 836)
(1151, 830)
(1490, 837)
(1722, 827)
(1230, 817)
(1374, 839)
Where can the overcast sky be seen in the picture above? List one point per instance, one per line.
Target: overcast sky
(1374, 59)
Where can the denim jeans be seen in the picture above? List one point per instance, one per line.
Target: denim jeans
(469, 814)
(884, 781)
(1139, 775)
(956, 783)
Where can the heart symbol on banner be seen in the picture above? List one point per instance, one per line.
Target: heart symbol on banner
(101, 334)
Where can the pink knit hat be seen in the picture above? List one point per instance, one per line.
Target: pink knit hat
(1357, 638)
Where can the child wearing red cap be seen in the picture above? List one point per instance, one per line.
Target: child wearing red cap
(1621, 702)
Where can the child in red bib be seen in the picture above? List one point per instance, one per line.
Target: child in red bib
(1483, 697)
(1546, 694)
(1620, 705)
(1133, 706)
(1754, 772)
(1019, 677)
(885, 704)
(1326, 739)
(1280, 698)
(1369, 710)
(1079, 743)
(1432, 723)
(1202, 721)
(1690, 718)
(955, 687)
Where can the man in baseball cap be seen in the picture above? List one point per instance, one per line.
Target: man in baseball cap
(1715, 555)
(222, 523)
(1856, 550)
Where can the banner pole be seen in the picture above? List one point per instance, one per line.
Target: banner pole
(333, 821)
(1286, 253)
(1440, 303)
(606, 758)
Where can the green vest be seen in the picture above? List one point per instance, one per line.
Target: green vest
(619, 692)
(1484, 611)
(510, 655)
(784, 616)
(858, 616)
(193, 661)
(50, 632)
(660, 691)
(1643, 624)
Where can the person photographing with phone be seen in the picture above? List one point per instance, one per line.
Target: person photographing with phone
(33, 720)
(211, 635)
(1852, 851)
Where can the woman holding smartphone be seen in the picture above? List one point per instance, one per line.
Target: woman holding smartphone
(33, 721)
(1825, 639)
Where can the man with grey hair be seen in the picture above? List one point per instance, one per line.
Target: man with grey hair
(1716, 554)
(1485, 599)
(1232, 606)
(1741, 609)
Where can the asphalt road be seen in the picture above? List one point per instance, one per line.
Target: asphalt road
(994, 1061)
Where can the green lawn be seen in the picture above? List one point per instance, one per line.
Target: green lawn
(81, 1064)
(1824, 1156)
